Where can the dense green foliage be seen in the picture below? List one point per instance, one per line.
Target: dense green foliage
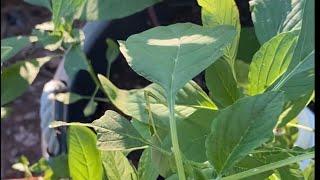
(257, 82)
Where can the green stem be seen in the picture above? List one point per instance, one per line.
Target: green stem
(271, 166)
(108, 70)
(301, 127)
(174, 138)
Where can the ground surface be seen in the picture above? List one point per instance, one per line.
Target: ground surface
(20, 132)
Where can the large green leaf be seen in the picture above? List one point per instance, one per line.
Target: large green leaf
(63, 12)
(270, 62)
(83, 156)
(220, 76)
(117, 166)
(298, 81)
(172, 55)
(147, 169)
(242, 127)
(190, 113)
(217, 12)
(271, 17)
(247, 163)
(11, 46)
(192, 133)
(93, 10)
(114, 133)
(221, 84)
(75, 60)
(16, 79)
(59, 166)
(133, 102)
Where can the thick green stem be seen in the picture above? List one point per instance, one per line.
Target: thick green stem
(174, 139)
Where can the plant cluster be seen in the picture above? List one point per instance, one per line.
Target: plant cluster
(259, 79)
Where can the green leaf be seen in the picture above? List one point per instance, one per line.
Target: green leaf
(216, 12)
(47, 39)
(192, 133)
(112, 53)
(172, 55)
(11, 46)
(90, 108)
(250, 162)
(133, 102)
(112, 50)
(163, 55)
(242, 127)
(199, 174)
(117, 166)
(290, 171)
(270, 166)
(68, 97)
(83, 156)
(270, 62)
(16, 79)
(43, 3)
(93, 10)
(248, 44)
(298, 81)
(116, 133)
(63, 12)
(242, 70)
(75, 60)
(59, 166)
(284, 16)
(220, 76)
(221, 84)
(147, 170)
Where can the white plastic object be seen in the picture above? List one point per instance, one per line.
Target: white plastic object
(305, 138)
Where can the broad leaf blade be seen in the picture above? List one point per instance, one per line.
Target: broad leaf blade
(298, 81)
(133, 102)
(271, 17)
(217, 12)
(16, 79)
(241, 127)
(83, 156)
(221, 84)
(271, 62)
(220, 76)
(11, 46)
(117, 166)
(172, 55)
(63, 12)
(115, 133)
(147, 170)
(75, 60)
